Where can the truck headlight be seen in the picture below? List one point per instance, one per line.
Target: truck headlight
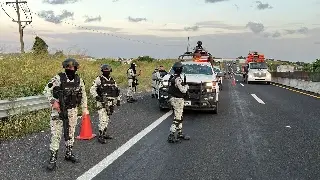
(210, 84)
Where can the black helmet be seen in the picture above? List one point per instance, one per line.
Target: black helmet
(133, 65)
(199, 43)
(177, 67)
(70, 62)
(106, 67)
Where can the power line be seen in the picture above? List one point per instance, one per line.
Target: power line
(108, 34)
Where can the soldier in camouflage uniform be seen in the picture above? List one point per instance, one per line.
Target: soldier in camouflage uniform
(65, 91)
(155, 83)
(177, 91)
(132, 83)
(107, 94)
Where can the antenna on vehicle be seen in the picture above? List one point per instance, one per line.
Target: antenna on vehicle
(188, 44)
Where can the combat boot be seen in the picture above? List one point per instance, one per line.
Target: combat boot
(70, 156)
(131, 100)
(101, 139)
(53, 160)
(105, 135)
(172, 138)
(183, 136)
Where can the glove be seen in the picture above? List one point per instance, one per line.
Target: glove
(98, 98)
(118, 102)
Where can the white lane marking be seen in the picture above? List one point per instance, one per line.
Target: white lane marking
(258, 99)
(95, 170)
(241, 84)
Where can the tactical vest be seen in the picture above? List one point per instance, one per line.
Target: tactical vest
(129, 76)
(69, 91)
(107, 88)
(173, 90)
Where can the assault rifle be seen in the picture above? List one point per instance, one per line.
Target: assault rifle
(63, 114)
(108, 104)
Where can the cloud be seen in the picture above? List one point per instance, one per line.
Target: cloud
(92, 19)
(276, 34)
(218, 25)
(214, 1)
(57, 19)
(99, 28)
(255, 27)
(302, 30)
(168, 30)
(273, 35)
(262, 6)
(131, 19)
(55, 2)
(192, 28)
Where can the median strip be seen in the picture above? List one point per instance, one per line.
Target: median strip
(296, 90)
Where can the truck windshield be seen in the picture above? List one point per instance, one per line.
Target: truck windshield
(195, 69)
(258, 65)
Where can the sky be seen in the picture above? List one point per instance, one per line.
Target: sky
(286, 29)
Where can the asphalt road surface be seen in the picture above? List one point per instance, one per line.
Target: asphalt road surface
(261, 132)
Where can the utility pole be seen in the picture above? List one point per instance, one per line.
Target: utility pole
(17, 2)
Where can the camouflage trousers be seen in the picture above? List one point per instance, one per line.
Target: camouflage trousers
(57, 128)
(103, 116)
(130, 91)
(155, 87)
(177, 105)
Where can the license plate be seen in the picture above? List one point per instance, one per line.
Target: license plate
(187, 103)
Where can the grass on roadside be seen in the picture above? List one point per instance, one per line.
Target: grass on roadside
(27, 75)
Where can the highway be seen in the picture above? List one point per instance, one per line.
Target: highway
(260, 132)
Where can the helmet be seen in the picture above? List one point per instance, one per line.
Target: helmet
(70, 62)
(133, 65)
(177, 67)
(199, 43)
(106, 67)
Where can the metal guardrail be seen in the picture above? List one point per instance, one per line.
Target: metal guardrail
(24, 104)
(307, 76)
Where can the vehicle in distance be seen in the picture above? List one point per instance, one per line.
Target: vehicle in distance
(257, 69)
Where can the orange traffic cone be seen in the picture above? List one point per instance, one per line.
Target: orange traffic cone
(86, 129)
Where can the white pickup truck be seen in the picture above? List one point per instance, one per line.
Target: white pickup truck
(203, 93)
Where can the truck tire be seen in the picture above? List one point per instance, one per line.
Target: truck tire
(215, 111)
(162, 109)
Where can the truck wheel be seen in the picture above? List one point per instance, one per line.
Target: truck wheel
(215, 111)
(162, 109)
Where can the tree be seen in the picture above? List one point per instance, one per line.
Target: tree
(316, 66)
(58, 53)
(40, 46)
(145, 58)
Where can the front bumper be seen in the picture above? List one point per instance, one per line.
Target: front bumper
(259, 79)
(205, 101)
